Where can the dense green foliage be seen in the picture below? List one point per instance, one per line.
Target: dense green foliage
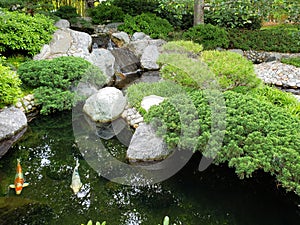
(226, 69)
(136, 7)
(106, 13)
(24, 33)
(274, 96)
(29, 6)
(255, 139)
(231, 68)
(184, 46)
(278, 39)
(136, 92)
(14, 61)
(148, 23)
(53, 80)
(295, 61)
(66, 12)
(9, 86)
(208, 35)
(185, 71)
(233, 14)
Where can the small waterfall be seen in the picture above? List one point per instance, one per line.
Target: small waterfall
(110, 45)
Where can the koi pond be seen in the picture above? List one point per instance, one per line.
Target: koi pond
(48, 156)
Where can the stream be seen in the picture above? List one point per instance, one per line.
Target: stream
(216, 196)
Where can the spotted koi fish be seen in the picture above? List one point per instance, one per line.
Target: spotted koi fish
(19, 180)
(76, 183)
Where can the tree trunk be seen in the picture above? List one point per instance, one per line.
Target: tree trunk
(198, 12)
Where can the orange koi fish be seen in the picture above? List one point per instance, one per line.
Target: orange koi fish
(19, 180)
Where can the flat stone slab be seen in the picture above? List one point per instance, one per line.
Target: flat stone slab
(151, 100)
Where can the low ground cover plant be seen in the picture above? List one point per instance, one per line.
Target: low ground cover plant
(231, 68)
(295, 61)
(226, 69)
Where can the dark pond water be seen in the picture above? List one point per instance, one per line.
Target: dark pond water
(215, 196)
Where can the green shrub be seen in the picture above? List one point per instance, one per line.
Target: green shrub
(66, 12)
(14, 61)
(183, 46)
(277, 97)
(24, 33)
(207, 35)
(214, 69)
(233, 14)
(279, 39)
(259, 135)
(9, 86)
(53, 80)
(57, 73)
(148, 23)
(231, 69)
(53, 99)
(295, 61)
(136, 92)
(185, 71)
(106, 13)
(136, 7)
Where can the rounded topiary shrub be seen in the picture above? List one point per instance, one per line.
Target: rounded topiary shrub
(148, 23)
(53, 80)
(208, 35)
(231, 69)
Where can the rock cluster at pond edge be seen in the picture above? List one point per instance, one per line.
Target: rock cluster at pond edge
(13, 123)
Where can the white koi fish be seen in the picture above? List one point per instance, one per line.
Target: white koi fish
(19, 179)
(76, 183)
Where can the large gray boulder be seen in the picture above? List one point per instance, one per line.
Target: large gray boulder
(149, 58)
(103, 59)
(62, 23)
(66, 42)
(106, 105)
(146, 146)
(140, 36)
(120, 38)
(139, 46)
(12, 124)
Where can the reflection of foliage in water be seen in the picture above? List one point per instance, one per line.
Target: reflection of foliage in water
(48, 153)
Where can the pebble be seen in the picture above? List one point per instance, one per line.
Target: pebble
(26, 104)
(279, 74)
(132, 116)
